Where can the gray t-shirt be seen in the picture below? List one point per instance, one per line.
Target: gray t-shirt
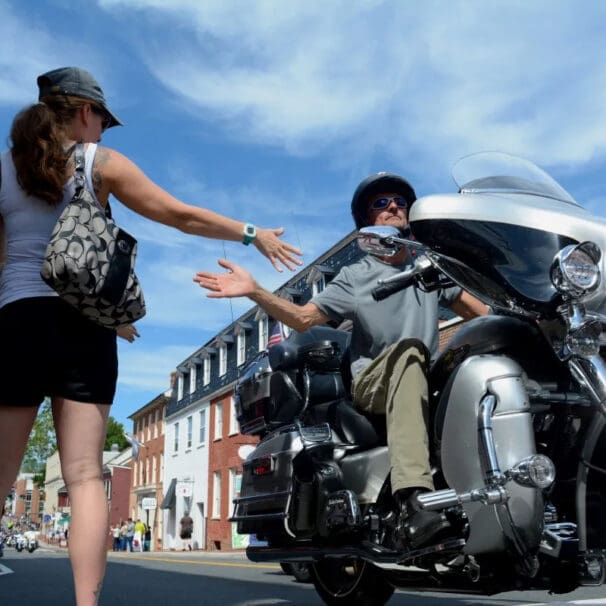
(409, 313)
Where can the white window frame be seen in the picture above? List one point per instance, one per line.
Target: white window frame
(222, 359)
(154, 477)
(318, 285)
(206, 371)
(176, 437)
(240, 348)
(218, 428)
(234, 428)
(233, 478)
(180, 386)
(190, 431)
(216, 495)
(263, 329)
(202, 427)
(135, 469)
(193, 376)
(156, 416)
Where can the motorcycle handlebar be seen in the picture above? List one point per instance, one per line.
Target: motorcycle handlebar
(391, 287)
(400, 281)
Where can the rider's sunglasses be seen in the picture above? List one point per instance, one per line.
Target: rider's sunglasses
(105, 118)
(383, 203)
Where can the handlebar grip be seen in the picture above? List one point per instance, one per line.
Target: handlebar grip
(386, 290)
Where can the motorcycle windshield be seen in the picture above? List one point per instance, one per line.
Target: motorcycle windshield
(497, 172)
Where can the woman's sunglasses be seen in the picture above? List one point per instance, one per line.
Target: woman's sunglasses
(105, 118)
(383, 203)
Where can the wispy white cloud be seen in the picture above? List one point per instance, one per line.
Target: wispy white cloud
(418, 81)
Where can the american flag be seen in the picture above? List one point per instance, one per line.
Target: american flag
(278, 334)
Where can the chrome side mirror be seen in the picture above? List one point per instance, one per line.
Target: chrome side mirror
(380, 240)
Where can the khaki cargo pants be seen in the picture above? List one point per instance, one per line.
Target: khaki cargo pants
(395, 384)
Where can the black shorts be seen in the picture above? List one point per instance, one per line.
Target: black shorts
(50, 349)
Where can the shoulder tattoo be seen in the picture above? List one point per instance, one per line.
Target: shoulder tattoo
(102, 157)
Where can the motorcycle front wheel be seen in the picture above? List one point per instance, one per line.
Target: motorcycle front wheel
(350, 581)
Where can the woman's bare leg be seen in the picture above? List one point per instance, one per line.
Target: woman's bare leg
(15, 426)
(80, 437)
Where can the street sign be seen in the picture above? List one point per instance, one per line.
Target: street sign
(46, 519)
(149, 503)
(184, 489)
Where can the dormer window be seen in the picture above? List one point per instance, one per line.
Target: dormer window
(318, 277)
(222, 359)
(206, 370)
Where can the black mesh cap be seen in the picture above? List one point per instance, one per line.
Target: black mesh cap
(76, 82)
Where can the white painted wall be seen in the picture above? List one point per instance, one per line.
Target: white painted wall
(190, 466)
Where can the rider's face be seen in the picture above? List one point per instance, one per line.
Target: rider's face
(392, 214)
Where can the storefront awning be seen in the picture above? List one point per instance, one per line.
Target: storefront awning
(169, 498)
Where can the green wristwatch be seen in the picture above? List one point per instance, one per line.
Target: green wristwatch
(250, 233)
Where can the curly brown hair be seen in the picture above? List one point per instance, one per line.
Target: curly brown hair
(37, 137)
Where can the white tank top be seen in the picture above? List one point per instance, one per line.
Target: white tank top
(28, 223)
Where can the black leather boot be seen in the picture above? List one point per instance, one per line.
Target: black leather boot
(417, 527)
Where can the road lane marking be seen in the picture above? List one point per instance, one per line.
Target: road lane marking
(5, 570)
(199, 562)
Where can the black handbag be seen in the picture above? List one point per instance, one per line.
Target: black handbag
(90, 261)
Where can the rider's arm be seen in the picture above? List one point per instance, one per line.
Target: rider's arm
(467, 306)
(299, 317)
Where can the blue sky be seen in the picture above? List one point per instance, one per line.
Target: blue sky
(273, 111)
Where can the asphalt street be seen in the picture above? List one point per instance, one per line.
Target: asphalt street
(208, 579)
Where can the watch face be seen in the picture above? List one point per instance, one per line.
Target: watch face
(250, 230)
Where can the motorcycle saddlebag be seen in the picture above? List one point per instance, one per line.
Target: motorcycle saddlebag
(265, 399)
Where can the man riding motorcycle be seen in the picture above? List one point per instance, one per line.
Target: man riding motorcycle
(390, 352)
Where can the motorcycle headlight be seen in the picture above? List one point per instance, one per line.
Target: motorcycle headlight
(575, 269)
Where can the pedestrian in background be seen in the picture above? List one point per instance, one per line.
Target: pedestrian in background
(139, 534)
(123, 531)
(115, 533)
(187, 528)
(130, 534)
(80, 365)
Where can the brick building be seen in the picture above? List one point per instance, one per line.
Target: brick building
(225, 473)
(147, 470)
(27, 499)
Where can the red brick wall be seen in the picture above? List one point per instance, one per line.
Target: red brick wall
(222, 456)
(120, 495)
(20, 502)
(447, 333)
(154, 447)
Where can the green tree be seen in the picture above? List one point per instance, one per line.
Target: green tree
(115, 435)
(41, 444)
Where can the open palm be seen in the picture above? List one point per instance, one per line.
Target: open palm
(236, 282)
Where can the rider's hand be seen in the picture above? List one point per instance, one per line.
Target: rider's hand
(277, 251)
(237, 282)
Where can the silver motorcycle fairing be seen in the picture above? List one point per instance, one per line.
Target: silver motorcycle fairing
(530, 211)
(492, 527)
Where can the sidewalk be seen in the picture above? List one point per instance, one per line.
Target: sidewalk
(195, 554)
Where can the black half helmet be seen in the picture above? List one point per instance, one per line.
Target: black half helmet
(375, 184)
